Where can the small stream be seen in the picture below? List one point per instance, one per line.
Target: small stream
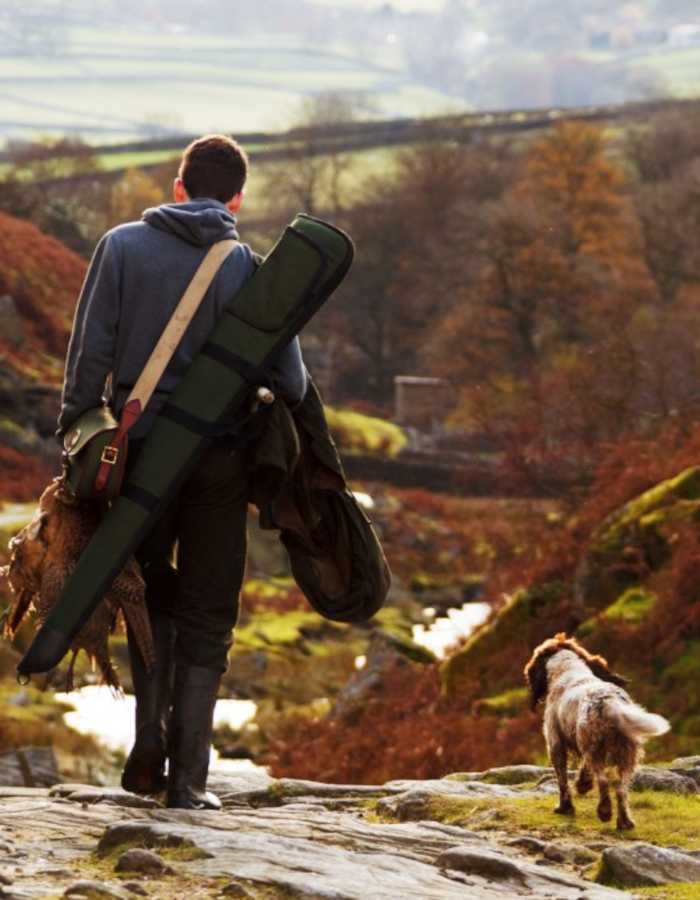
(110, 718)
(443, 633)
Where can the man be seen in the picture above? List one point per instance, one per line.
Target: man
(136, 278)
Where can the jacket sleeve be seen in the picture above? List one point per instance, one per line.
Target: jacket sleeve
(92, 344)
(291, 374)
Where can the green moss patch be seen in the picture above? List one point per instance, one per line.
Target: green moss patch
(674, 498)
(475, 660)
(358, 433)
(120, 838)
(670, 892)
(661, 818)
(506, 704)
(633, 607)
(271, 629)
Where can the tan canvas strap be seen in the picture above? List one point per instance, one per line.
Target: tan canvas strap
(162, 354)
(181, 318)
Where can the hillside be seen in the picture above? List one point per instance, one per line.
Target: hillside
(39, 283)
(620, 573)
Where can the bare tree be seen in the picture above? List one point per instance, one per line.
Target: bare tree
(417, 230)
(666, 159)
(312, 172)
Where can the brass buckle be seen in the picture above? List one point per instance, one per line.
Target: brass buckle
(110, 455)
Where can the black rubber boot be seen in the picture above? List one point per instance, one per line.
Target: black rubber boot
(144, 771)
(194, 699)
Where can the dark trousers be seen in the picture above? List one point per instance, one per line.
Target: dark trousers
(193, 561)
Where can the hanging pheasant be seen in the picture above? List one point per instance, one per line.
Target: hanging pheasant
(44, 553)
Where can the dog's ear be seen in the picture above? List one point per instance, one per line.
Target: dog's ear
(536, 677)
(598, 665)
(601, 670)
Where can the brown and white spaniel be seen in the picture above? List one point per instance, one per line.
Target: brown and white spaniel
(587, 712)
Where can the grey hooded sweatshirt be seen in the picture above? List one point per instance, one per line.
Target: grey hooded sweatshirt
(137, 275)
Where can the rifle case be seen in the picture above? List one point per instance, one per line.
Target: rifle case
(308, 262)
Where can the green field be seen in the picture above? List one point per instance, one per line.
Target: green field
(680, 68)
(115, 85)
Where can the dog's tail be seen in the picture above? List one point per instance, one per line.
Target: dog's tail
(638, 723)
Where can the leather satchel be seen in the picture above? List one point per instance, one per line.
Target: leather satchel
(87, 446)
(95, 445)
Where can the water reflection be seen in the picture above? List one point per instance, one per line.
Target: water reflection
(109, 718)
(442, 634)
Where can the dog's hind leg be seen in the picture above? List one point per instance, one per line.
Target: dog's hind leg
(584, 781)
(558, 756)
(624, 816)
(605, 802)
(627, 760)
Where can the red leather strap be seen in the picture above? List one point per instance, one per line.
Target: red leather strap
(130, 414)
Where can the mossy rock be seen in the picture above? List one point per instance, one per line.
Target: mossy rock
(355, 432)
(670, 500)
(632, 542)
(504, 705)
(474, 662)
(631, 610)
(632, 607)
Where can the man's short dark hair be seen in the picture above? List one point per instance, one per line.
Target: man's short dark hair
(214, 166)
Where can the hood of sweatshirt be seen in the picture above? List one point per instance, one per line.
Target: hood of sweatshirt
(199, 222)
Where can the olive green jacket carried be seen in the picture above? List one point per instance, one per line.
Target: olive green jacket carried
(299, 487)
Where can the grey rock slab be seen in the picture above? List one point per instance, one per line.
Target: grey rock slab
(409, 803)
(256, 789)
(42, 832)
(133, 887)
(236, 891)
(508, 775)
(95, 890)
(517, 877)
(674, 782)
(302, 848)
(12, 792)
(35, 891)
(527, 843)
(569, 852)
(421, 841)
(83, 793)
(357, 859)
(687, 762)
(145, 862)
(646, 864)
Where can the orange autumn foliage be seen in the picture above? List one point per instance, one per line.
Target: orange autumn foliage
(22, 476)
(44, 279)
(402, 728)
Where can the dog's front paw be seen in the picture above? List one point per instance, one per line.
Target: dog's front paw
(584, 782)
(565, 808)
(605, 810)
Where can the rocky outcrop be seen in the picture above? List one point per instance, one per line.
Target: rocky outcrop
(274, 838)
(288, 838)
(10, 321)
(29, 766)
(647, 865)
